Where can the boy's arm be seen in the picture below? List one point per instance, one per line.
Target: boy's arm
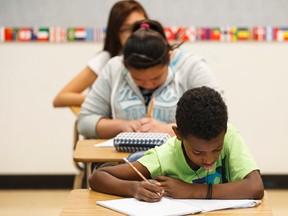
(122, 180)
(251, 187)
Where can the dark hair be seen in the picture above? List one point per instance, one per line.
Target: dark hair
(118, 14)
(147, 46)
(201, 112)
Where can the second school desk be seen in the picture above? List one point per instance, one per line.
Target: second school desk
(83, 202)
(86, 152)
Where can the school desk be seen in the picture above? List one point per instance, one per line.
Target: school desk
(75, 109)
(79, 176)
(86, 152)
(83, 202)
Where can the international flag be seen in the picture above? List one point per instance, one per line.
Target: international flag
(186, 34)
(258, 33)
(42, 34)
(80, 33)
(89, 34)
(57, 34)
(103, 32)
(98, 34)
(170, 33)
(215, 34)
(240, 34)
(202, 34)
(71, 34)
(281, 33)
(76, 34)
(8, 34)
(226, 34)
(25, 34)
(269, 33)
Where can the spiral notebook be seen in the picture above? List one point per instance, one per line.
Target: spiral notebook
(136, 141)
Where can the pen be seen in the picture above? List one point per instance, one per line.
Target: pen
(139, 173)
(149, 115)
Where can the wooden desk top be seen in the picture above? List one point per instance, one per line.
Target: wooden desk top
(83, 202)
(86, 152)
(75, 109)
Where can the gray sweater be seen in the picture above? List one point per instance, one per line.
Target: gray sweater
(115, 95)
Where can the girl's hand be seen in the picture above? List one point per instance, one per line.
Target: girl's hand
(131, 126)
(149, 191)
(152, 125)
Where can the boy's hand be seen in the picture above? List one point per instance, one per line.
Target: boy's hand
(173, 187)
(149, 191)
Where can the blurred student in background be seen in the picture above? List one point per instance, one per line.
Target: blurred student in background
(151, 71)
(121, 19)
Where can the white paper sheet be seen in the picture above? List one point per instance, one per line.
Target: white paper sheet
(212, 205)
(108, 143)
(168, 206)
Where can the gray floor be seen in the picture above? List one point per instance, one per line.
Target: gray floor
(50, 202)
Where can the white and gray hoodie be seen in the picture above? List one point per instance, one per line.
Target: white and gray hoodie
(115, 95)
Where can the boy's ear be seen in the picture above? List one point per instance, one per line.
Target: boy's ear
(177, 133)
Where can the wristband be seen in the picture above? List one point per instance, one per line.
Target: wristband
(209, 191)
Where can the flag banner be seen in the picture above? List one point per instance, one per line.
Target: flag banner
(181, 33)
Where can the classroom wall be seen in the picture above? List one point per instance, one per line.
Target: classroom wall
(36, 138)
(170, 12)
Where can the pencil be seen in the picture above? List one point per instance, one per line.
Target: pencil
(139, 173)
(149, 115)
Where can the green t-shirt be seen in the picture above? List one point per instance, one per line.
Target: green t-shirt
(234, 162)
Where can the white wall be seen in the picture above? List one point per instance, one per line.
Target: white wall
(35, 138)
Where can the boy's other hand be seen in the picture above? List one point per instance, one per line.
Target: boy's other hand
(173, 187)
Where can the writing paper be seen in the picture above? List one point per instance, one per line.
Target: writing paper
(172, 207)
(214, 204)
(165, 207)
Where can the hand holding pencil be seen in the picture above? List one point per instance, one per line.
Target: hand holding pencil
(143, 177)
(150, 110)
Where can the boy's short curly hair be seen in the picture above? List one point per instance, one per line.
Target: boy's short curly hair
(201, 112)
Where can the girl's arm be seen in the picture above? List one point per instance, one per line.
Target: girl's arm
(71, 94)
(109, 128)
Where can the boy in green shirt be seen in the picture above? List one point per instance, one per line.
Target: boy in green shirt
(207, 159)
